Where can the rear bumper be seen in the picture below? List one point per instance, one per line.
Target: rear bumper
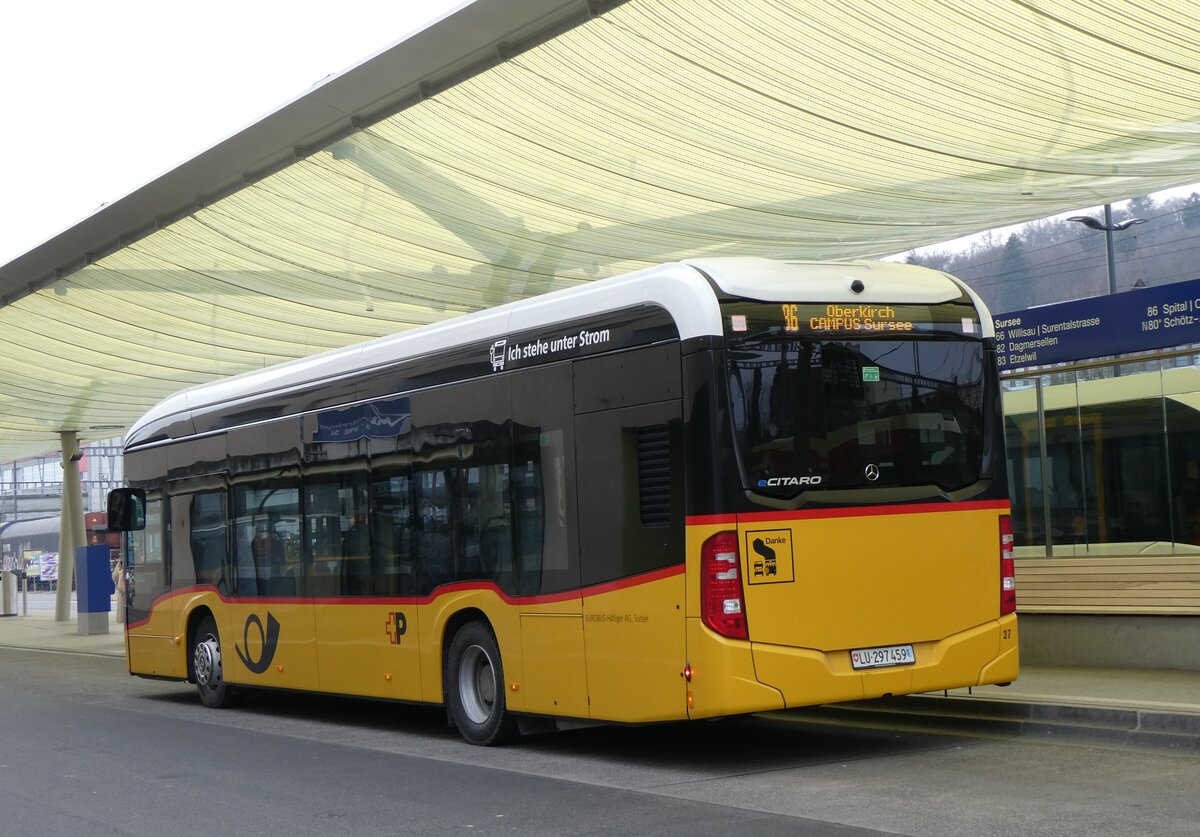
(737, 677)
(975, 657)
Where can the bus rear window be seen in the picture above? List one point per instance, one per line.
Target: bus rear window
(856, 412)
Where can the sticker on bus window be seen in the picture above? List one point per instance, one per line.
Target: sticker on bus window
(769, 556)
(737, 322)
(871, 373)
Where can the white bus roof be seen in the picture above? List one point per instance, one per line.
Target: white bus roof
(680, 288)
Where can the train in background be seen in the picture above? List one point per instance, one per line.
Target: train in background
(32, 546)
(1120, 473)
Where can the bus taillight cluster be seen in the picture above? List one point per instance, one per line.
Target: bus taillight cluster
(723, 604)
(1008, 579)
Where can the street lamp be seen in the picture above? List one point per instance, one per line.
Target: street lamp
(1109, 228)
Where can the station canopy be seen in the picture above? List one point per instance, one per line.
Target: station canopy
(519, 146)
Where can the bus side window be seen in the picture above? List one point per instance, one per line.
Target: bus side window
(543, 480)
(335, 511)
(393, 569)
(267, 551)
(462, 459)
(200, 548)
(145, 562)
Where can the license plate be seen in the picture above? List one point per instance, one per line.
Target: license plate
(887, 655)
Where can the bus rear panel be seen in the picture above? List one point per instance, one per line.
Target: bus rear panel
(864, 553)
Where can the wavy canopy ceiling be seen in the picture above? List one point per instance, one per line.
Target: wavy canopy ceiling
(565, 141)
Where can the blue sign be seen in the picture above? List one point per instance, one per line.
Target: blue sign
(1133, 321)
(377, 419)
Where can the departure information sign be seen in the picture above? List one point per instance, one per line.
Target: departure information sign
(1133, 321)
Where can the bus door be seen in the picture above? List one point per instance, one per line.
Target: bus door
(361, 575)
(149, 621)
(546, 545)
(269, 625)
(629, 435)
(198, 554)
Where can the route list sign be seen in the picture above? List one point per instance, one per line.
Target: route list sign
(1133, 321)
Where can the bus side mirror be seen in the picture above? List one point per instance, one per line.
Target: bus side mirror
(126, 510)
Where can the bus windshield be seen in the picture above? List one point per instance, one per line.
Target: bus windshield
(818, 408)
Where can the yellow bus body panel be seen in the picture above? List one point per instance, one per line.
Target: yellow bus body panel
(723, 677)
(434, 619)
(635, 648)
(806, 677)
(369, 650)
(554, 672)
(928, 577)
(871, 578)
(246, 644)
(150, 647)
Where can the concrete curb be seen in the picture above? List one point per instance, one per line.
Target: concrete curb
(47, 649)
(1105, 726)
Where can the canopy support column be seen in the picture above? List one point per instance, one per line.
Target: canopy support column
(70, 526)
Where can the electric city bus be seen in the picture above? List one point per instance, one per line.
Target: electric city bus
(712, 487)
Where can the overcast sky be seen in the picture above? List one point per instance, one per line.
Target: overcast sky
(99, 97)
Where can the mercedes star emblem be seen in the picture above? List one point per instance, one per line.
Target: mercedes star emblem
(872, 472)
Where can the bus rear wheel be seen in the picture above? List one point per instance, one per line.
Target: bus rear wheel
(206, 667)
(475, 687)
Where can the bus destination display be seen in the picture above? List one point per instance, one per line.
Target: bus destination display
(839, 318)
(861, 319)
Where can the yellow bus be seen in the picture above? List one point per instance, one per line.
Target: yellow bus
(711, 487)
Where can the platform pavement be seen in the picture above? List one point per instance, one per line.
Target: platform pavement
(39, 630)
(1107, 707)
(1125, 706)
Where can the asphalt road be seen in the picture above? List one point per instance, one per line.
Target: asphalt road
(84, 748)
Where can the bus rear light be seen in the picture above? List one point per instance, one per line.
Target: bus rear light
(1008, 575)
(722, 602)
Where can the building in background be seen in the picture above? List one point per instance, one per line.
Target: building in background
(32, 488)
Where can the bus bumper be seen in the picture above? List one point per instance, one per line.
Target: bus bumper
(975, 657)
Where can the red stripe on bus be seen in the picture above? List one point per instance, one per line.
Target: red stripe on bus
(874, 511)
(444, 590)
(712, 520)
(633, 581)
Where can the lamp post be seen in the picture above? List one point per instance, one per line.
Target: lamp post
(1109, 228)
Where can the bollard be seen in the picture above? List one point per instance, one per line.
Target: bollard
(8, 594)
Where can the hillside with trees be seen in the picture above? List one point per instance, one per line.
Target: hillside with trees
(1056, 259)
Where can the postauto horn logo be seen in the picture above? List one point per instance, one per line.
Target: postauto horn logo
(788, 482)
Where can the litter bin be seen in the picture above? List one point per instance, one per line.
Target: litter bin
(8, 593)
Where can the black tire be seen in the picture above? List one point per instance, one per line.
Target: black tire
(207, 669)
(475, 687)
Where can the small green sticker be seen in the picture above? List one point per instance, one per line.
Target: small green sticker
(870, 373)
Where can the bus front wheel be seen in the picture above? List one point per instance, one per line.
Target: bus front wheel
(475, 687)
(206, 667)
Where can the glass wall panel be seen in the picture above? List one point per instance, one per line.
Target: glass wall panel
(1181, 410)
(1064, 489)
(1026, 480)
(1121, 470)
(1124, 457)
